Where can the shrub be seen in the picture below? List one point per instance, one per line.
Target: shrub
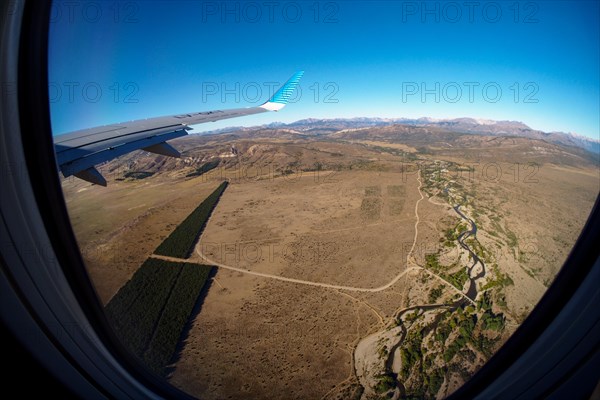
(435, 294)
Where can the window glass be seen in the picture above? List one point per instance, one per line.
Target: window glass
(381, 236)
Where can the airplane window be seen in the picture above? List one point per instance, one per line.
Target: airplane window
(324, 199)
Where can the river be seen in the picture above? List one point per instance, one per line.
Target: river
(363, 358)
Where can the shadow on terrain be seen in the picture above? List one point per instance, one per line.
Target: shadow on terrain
(170, 368)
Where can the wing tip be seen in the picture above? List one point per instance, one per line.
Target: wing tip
(282, 96)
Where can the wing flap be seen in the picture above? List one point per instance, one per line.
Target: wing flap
(93, 158)
(68, 151)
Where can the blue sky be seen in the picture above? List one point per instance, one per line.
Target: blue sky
(535, 62)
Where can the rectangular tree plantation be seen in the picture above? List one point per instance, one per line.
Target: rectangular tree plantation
(180, 242)
(150, 311)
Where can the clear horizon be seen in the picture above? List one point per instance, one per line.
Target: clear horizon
(226, 124)
(532, 62)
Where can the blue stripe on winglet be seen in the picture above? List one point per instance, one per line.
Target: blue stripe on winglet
(282, 96)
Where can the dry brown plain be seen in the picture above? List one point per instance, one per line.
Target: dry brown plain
(324, 231)
(258, 336)
(234, 228)
(274, 339)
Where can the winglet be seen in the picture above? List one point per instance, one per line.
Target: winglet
(282, 96)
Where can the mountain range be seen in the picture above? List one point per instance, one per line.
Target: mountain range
(314, 126)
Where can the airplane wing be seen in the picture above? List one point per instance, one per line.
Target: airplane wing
(78, 152)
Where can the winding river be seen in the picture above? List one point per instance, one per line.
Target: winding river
(392, 363)
(472, 291)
